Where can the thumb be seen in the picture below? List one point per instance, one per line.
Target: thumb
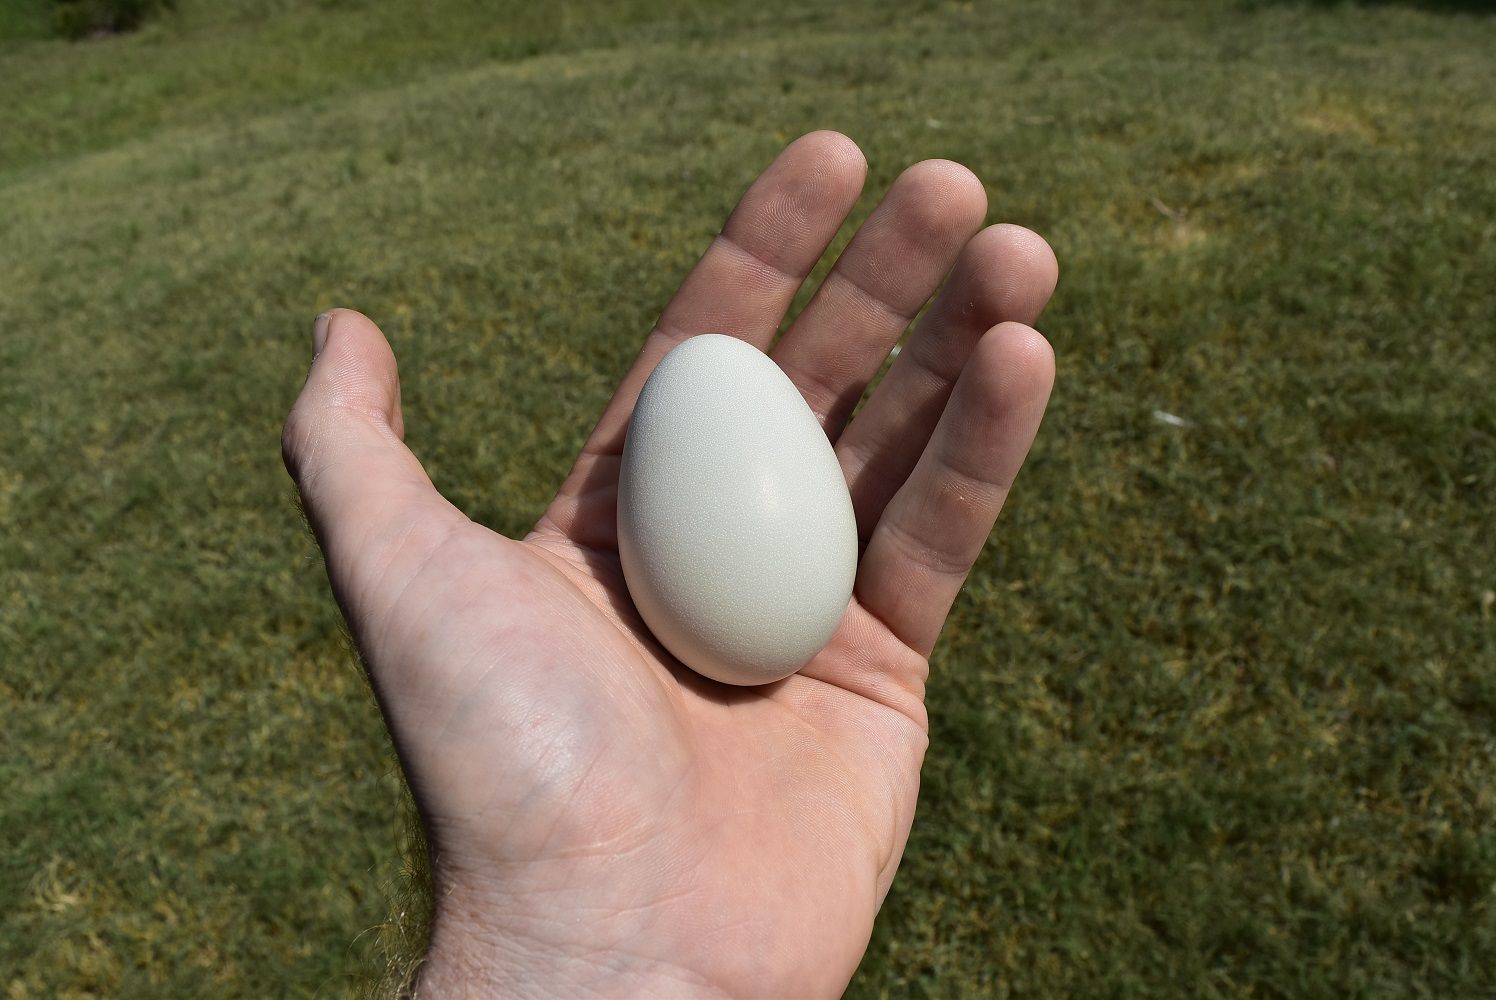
(372, 506)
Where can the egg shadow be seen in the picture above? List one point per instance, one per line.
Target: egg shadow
(604, 564)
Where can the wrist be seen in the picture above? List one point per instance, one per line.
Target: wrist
(480, 948)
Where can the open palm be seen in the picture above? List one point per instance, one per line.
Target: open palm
(603, 821)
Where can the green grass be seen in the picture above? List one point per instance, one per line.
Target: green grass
(23, 21)
(1216, 715)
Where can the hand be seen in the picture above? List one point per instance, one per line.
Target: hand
(602, 820)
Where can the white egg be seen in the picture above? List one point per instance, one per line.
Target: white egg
(735, 526)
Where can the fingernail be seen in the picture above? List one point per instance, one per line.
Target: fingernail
(319, 334)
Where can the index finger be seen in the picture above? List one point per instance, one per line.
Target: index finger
(742, 287)
(750, 273)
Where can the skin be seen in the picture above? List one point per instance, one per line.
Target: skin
(604, 822)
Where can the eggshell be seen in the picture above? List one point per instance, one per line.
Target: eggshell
(735, 527)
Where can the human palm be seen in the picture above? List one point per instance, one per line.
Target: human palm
(604, 821)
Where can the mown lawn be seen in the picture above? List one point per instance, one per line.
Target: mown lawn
(1216, 715)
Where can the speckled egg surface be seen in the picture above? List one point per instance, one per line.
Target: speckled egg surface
(735, 527)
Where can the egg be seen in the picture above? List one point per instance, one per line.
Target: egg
(735, 527)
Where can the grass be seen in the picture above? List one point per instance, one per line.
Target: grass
(1214, 716)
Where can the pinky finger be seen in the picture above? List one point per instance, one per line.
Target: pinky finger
(934, 528)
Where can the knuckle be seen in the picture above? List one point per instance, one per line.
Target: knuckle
(300, 444)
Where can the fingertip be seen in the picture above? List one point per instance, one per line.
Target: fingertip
(793, 209)
(838, 151)
(354, 369)
(1026, 344)
(959, 194)
(1015, 364)
(829, 169)
(350, 323)
(1039, 258)
(1012, 270)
